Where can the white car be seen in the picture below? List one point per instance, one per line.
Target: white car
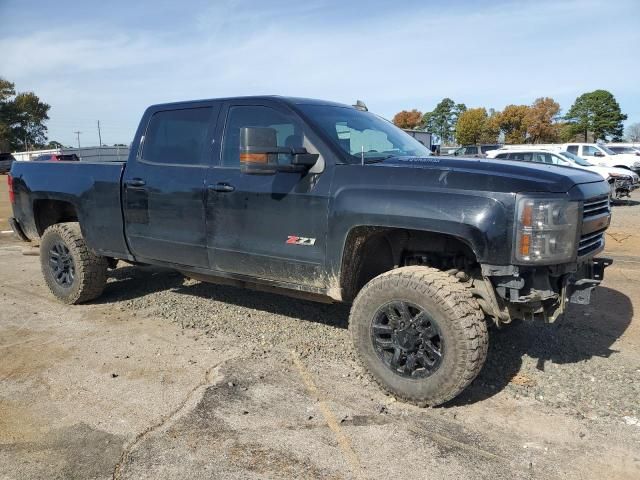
(624, 148)
(601, 155)
(622, 180)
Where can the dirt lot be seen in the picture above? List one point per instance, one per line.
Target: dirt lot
(170, 378)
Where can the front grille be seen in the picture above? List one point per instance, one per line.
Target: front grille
(595, 207)
(591, 242)
(593, 213)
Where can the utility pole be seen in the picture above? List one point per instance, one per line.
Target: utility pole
(78, 135)
(99, 136)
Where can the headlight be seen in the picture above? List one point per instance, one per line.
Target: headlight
(620, 176)
(545, 229)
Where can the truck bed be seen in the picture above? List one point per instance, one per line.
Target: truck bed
(92, 188)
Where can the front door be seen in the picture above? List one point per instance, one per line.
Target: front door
(164, 195)
(268, 226)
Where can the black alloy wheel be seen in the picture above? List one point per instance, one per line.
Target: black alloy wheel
(407, 339)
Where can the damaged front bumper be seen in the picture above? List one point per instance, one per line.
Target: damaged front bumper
(579, 285)
(543, 292)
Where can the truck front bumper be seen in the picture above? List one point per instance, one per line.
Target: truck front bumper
(588, 276)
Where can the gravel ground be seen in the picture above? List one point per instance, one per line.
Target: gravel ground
(572, 365)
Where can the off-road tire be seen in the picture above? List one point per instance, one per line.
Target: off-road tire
(458, 316)
(90, 270)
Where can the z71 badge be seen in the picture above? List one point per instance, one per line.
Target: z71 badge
(295, 240)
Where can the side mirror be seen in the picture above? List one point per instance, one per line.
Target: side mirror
(259, 153)
(598, 154)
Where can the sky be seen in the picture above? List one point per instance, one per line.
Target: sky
(108, 60)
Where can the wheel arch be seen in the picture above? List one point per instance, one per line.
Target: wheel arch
(372, 250)
(49, 211)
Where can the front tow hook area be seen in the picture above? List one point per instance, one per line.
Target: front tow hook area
(580, 284)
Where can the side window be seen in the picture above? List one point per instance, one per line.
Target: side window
(288, 130)
(502, 155)
(573, 149)
(178, 137)
(556, 160)
(543, 158)
(471, 150)
(589, 150)
(523, 157)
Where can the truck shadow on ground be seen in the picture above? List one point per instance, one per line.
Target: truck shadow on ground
(127, 283)
(585, 331)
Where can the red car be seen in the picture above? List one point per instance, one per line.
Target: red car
(57, 157)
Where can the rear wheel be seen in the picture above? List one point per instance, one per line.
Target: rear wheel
(420, 333)
(73, 273)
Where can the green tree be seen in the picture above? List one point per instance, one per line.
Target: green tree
(7, 91)
(22, 118)
(512, 122)
(471, 126)
(598, 113)
(54, 144)
(442, 120)
(407, 119)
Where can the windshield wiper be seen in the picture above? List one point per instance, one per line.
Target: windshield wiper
(378, 159)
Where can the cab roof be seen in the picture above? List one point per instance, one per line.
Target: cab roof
(287, 100)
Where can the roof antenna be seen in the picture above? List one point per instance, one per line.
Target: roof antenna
(360, 106)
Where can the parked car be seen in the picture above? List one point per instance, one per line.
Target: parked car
(602, 155)
(325, 201)
(447, 150)
(628, 149)
(622, 180)
(6, 160)
(477, 151)
(57, 157)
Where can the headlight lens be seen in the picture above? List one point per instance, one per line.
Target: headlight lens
(545, 229)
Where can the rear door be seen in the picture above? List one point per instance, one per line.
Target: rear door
(268, 226)
(164, 196)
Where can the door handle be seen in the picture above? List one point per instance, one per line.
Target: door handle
(222, 187)
(136, 182)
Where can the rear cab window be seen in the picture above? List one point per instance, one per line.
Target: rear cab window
(178, 137)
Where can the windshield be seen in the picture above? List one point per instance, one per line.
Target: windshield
(623, 149)
(576, 159)
(607, 150)
(363, 135)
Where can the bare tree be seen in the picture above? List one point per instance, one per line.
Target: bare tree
(633, 132)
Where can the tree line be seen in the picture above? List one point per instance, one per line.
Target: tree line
(593, 116)
(22, 119)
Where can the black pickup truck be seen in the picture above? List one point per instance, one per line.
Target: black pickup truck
(332, 203)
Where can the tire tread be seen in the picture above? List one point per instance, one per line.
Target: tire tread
(457, 302)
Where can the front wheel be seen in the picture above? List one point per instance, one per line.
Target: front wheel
(420, 333)
(73, 273)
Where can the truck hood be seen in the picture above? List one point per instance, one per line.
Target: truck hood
(490, 175)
